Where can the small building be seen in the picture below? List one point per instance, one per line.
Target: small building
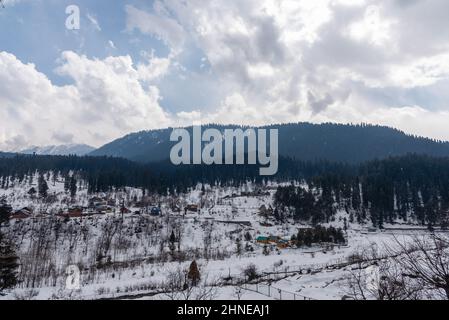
(124, 210)
(263, 239)
(21, 214)
(103, 209)
(76, 211)
(283, 244)
(155, 211)
(95, 201)
(70, 214)
(40, 216)
(191, 208)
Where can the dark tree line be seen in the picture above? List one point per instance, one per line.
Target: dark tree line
(103, 174)
(319, 234)
(403, 187)
(414, 187)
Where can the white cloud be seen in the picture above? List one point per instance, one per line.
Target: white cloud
(315, 60)
(265, 61)
(422, 72)
(372, 27)
(154, 69)
(106, 100)
(159, 25)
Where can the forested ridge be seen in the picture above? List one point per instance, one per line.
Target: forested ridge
(410, 188)
(301, 141)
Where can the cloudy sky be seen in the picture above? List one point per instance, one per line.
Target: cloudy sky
(136, 65)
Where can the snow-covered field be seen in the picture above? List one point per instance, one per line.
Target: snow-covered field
(131, 256)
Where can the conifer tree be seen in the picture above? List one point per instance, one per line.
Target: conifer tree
(194, 274)
(172, 241)
(5, 211)
(73, 187)
(8, 258)
(42, 186)
(8, 265)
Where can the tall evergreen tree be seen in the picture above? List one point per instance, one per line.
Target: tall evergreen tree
(67, 183)
(194, 274)
(42, 186)
(8, 265)
(8, 258)
(5, 211)
(73, 187)
(172, 241)
(32, 192)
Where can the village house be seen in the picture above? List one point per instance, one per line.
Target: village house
(21, 214)
(124, 210)
(76, 210)
(155, 211)
(95, 201)
(263, 240)
(40, 216)
(103, 209)
(274, 240)
(283, 244)
(72, 214)
(191, 208)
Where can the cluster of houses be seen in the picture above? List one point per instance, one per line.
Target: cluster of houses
(79, 212)
(100, 206)
(274, 240)
(25, 213)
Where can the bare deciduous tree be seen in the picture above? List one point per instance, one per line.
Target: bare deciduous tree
(409, 270)
(425, 260)
(177, 287)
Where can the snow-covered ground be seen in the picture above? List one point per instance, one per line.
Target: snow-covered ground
(131, 256)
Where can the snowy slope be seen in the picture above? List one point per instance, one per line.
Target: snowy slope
(130, 257)
(60, 150)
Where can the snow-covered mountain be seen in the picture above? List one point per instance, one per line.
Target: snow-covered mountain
(61, 150)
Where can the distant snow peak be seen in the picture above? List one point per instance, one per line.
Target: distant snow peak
(60, 150)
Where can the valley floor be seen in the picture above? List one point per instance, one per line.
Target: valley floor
(135, 255)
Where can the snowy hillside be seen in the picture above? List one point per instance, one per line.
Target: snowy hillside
(61, 150)
(124, 249)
